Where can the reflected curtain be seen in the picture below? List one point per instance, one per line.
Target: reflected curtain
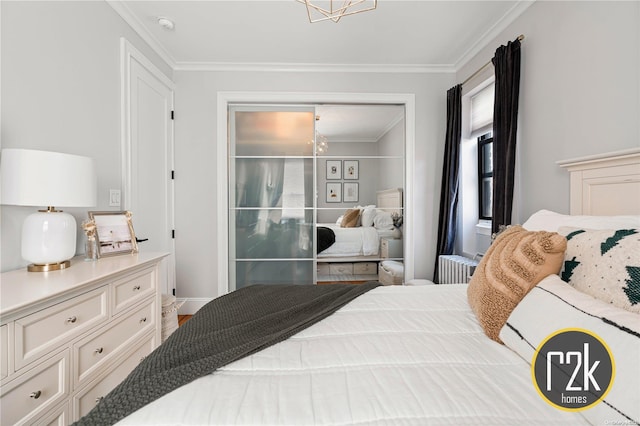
(447, 221)
(505, 125)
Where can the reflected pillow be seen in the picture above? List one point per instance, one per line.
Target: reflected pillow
(368, 214)
(383, 220)
(351, 218)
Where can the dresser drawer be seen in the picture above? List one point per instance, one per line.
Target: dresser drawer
(365, 268)
(59, 416)
(93, 351)
(128, 291)
(4, 351)
(90, 395)
(33, 393)
(323, 268)
(341, 268)
(44, 330)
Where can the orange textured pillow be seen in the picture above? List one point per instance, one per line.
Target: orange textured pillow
(351, 218)
(516, 261)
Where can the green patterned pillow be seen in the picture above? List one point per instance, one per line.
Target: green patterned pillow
(604, 264)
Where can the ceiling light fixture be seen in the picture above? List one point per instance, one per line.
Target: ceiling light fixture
(323, 10)
(165, 23)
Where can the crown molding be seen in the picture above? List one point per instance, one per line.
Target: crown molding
(129, 17)
(306, 67)
(493, 32)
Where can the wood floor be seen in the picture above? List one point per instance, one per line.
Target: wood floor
(182, 319)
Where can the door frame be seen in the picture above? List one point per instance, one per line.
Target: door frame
(302, 98)
(129, 53)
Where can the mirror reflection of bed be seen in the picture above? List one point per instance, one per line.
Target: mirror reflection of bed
(361, 241)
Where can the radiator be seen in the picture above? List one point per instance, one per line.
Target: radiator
(454, 269)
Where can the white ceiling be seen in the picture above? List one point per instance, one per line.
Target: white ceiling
(276, 35)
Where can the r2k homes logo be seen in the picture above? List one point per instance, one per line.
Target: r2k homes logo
(573, 369)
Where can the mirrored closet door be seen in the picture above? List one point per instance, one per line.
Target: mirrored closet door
(271, 195)
(294, 171)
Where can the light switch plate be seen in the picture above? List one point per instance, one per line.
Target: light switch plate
(114, 198)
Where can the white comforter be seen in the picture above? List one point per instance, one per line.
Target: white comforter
(396, 355)
(358, 241)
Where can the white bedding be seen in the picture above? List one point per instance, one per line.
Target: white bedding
(396, 355)
(358, 241)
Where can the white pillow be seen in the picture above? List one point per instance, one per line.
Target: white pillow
(339, 221)
(554, 305)
(367, 216)
(546, 220)
(383, 220)
(604, 264)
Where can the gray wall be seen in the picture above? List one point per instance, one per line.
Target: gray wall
(195, 130)
(61, 92)
(579, 91)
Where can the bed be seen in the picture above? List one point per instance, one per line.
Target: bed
(422, 355)
(370, 224)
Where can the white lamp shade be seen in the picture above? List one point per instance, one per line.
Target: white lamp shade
(43, 178)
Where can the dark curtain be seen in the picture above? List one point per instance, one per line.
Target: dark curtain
(505, 125)
(449, 191)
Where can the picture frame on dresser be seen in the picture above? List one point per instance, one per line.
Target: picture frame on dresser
(114, 232)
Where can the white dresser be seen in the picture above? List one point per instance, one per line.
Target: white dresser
(68, 337)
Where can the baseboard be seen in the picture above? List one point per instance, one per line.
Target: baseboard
(191, 304)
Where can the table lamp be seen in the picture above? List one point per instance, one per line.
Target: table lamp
(43, 178)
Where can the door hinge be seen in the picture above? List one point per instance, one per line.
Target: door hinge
(173, 233)
(174, 291)
(173, 174)
(172, 115)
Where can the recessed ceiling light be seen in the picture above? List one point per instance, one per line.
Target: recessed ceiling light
(165, 23)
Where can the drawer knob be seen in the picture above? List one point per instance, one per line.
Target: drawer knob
(72, 319)
(98, 399)
(136, 288)
(35, 395)
(143, 319)
(98, 351)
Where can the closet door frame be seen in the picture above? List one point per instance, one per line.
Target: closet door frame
(226, 98)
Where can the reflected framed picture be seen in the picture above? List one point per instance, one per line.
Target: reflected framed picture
(334, 192)
(351, 169)
(114, 233)
(350, 190)
(334, 169)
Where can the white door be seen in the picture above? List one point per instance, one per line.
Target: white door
(148, 158)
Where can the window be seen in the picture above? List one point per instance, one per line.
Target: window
(485, 176)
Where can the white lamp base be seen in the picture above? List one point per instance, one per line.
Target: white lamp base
(48, 240)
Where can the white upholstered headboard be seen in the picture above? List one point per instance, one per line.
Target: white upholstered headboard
(605, 184)
(390, 200)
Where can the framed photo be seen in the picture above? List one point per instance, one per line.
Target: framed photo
(334, 192)
(334, 169)
(114, 233)
(350, 192)
(351, 169)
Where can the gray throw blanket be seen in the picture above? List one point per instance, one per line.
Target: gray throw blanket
(224, 330)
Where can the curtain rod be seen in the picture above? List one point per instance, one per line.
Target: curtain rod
(520, 38)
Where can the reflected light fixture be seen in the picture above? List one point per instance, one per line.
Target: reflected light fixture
(333, 10)
(322, 144)
(43, 178)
